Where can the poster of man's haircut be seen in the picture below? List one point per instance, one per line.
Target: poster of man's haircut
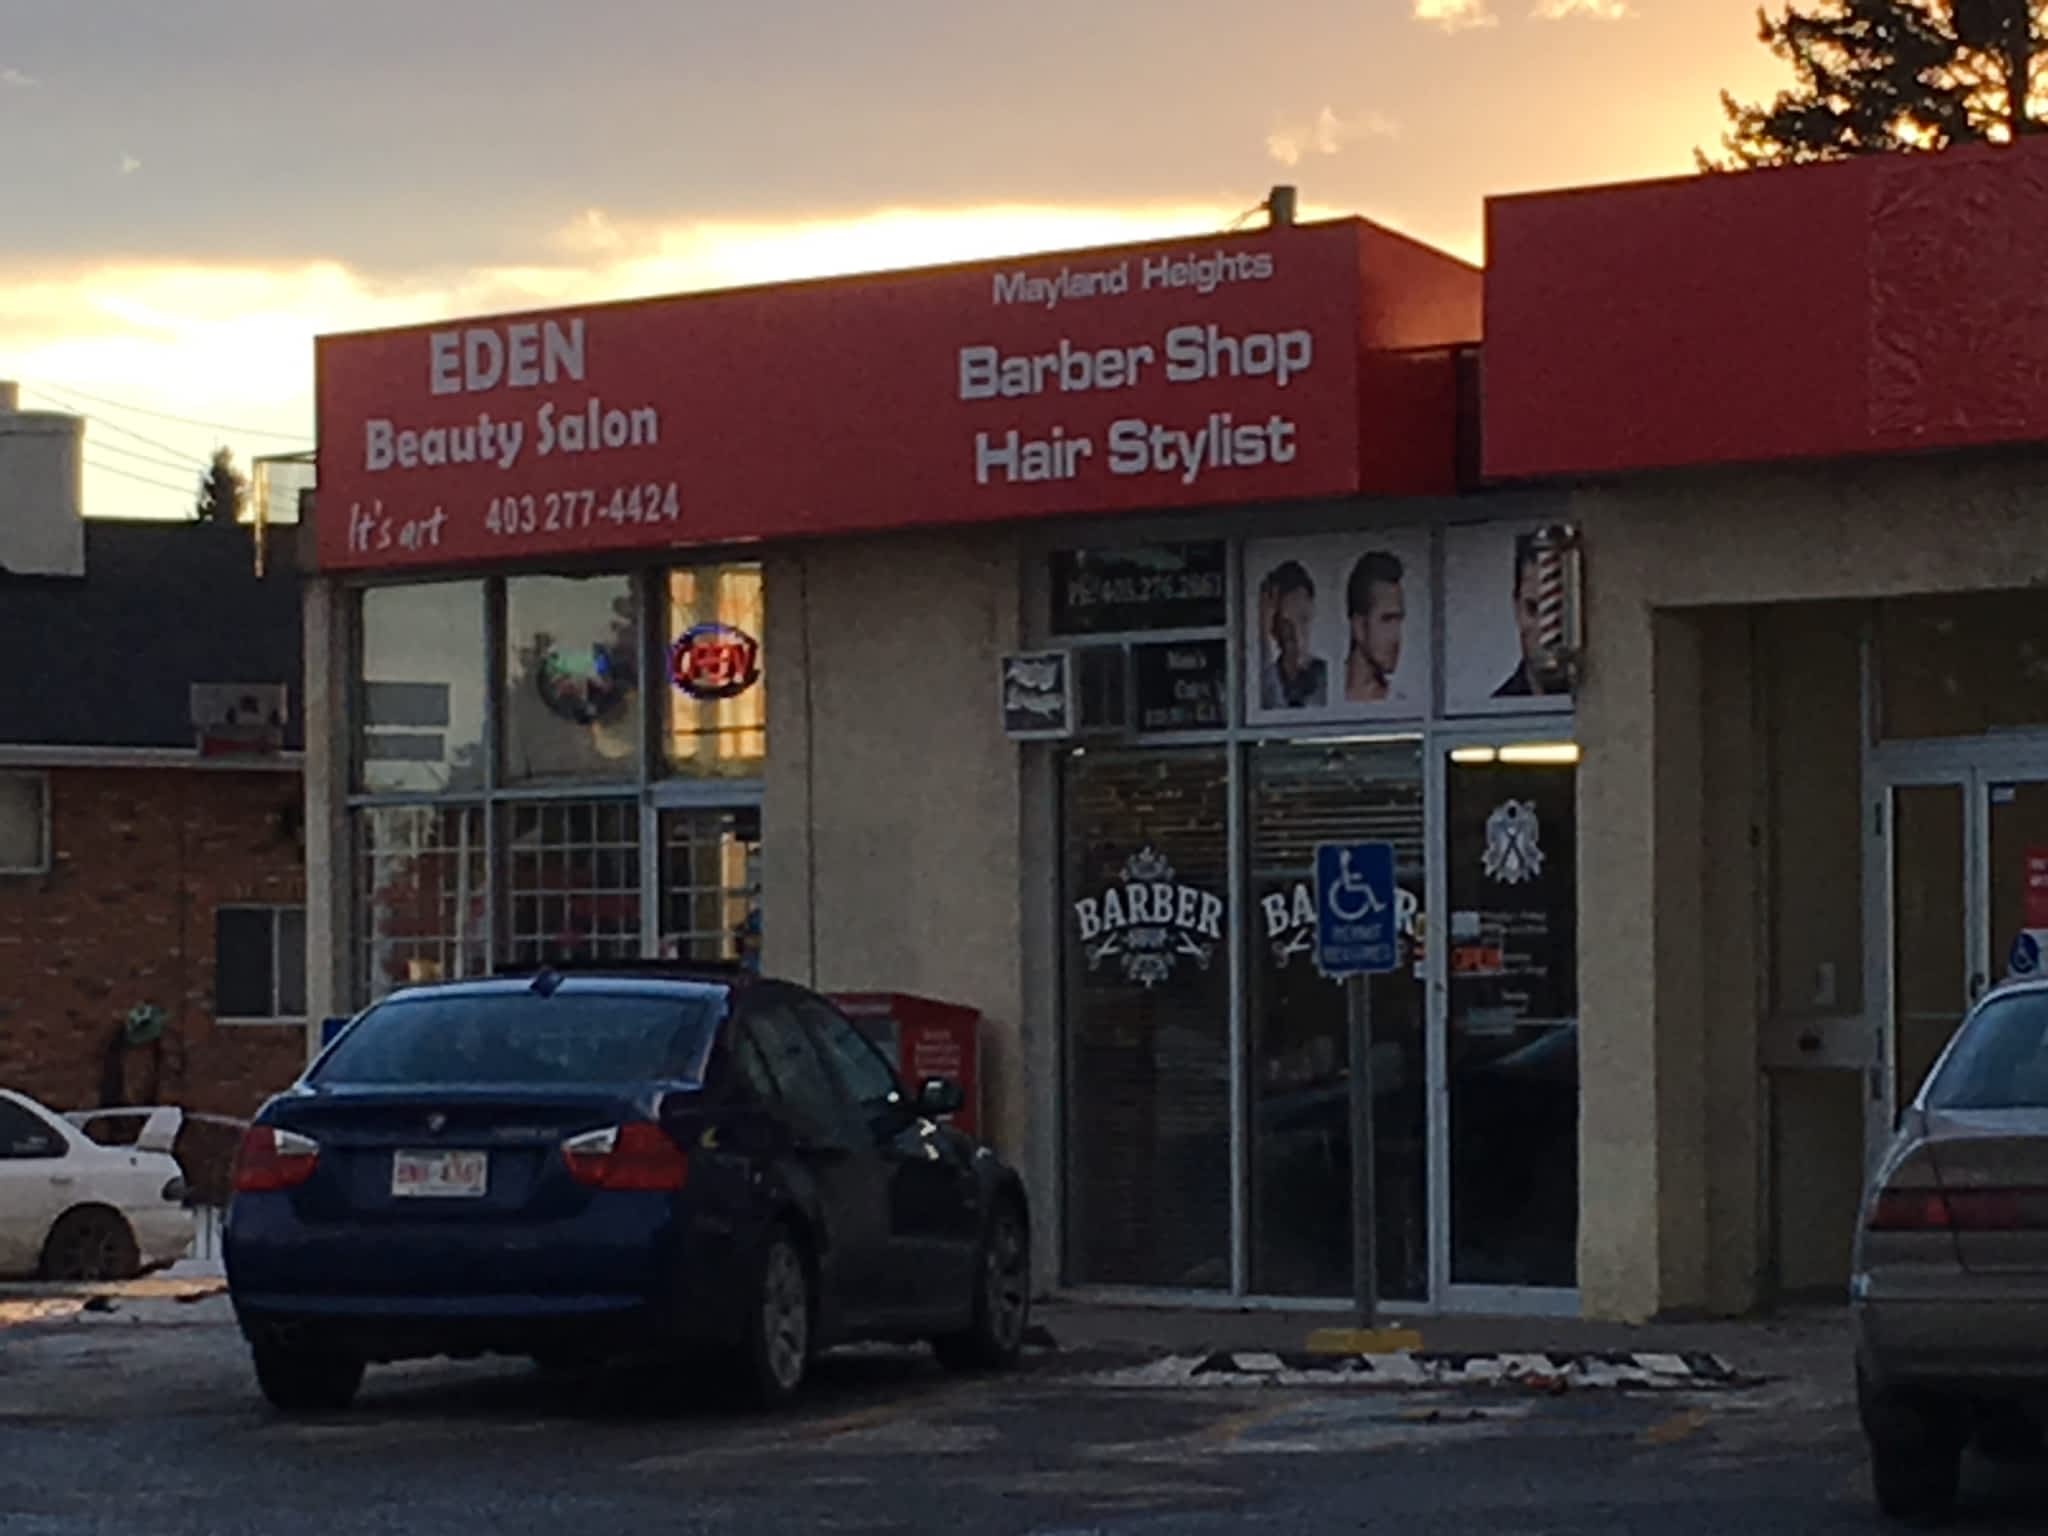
(1337, 627)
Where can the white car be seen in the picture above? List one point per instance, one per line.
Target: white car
(71, 1209)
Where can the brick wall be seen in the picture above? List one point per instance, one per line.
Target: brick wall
(141, 858)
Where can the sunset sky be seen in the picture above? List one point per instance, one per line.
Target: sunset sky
(195, 188)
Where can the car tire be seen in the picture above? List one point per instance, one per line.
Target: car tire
(2006, 1434)
(1916, 1450)
(994, 1338)
(300, 1381)
(780, 1330)
(1916, 1483)
(91, 1244)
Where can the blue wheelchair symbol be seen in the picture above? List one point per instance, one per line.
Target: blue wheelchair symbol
(1351, 895)
(1355, 930)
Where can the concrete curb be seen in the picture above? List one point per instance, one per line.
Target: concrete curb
(1547, 1372)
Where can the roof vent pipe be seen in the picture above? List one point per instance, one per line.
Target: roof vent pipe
(1280, 206)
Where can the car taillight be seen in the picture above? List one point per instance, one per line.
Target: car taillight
(271, 1159)
(1910, 1210)
(1962, 1210)
(636, 1156)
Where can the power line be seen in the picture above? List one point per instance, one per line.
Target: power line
(195, 465)
(162, 485)
(1247, 216)
(187, 421)
(111, 426)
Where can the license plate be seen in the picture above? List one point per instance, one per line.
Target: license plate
(440, 1175)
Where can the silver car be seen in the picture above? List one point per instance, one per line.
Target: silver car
(1950, 1284)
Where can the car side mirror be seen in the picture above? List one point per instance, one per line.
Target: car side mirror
(939, 1097)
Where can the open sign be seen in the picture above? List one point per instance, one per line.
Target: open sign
(715, 661)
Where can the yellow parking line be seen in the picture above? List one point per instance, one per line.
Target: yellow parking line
(15, 1313)
(1228, 1431)
(859, 1419)
(1680, 1426)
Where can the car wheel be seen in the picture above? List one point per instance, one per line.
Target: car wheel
(1002, 1299)
(777, 1354)
(1916, 1483)
(1916, 1450)
(91, 1244)
(298, 1380)
(2006, 1434)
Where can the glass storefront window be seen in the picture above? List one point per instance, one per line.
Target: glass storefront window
(714, 717)
(1148, 1177)
(1150, 586)
(1513, 1049)
(421, 692)
(1299, 1078)
(572, 880)
(425, 895)
(1961, 666)
(711, 885)
(574, 658)
(572, 687)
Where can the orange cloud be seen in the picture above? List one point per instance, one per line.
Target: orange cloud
(1456, 15)
(1327, 134)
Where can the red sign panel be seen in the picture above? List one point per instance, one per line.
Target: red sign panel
(2035, 902)
(1878, 305)
(1203, 371)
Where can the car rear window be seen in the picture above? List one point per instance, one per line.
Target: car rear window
(2001, 1060)
(570, 1037)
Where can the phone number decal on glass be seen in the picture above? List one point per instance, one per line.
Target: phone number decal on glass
(569, 511)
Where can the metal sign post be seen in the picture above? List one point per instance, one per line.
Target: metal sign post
(1356, 939)
(1365, 1268)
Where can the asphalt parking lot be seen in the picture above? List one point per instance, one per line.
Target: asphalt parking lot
(141, 1416)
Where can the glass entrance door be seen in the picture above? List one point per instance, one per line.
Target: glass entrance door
(1299, 1082)
(1509, 1030)
(1935, 970)
(1966, 861)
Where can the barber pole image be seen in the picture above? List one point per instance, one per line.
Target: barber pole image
(1557, 601)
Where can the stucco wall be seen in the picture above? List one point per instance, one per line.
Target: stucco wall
(890, 820)
(1671, 1096)
(330, 988)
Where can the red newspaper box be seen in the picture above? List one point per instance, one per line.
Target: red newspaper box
(924, 1038)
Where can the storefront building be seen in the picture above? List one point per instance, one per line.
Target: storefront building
(1012, 634)
(678, 628)
(1798, 419)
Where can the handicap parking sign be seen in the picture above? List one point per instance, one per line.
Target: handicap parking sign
(1355, 922)
(2025, 959)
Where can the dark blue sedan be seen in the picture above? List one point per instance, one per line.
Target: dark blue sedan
(615, 1163)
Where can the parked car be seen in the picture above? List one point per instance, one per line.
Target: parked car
(1950, 1285)
(642, 1161)
(71, 1209)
